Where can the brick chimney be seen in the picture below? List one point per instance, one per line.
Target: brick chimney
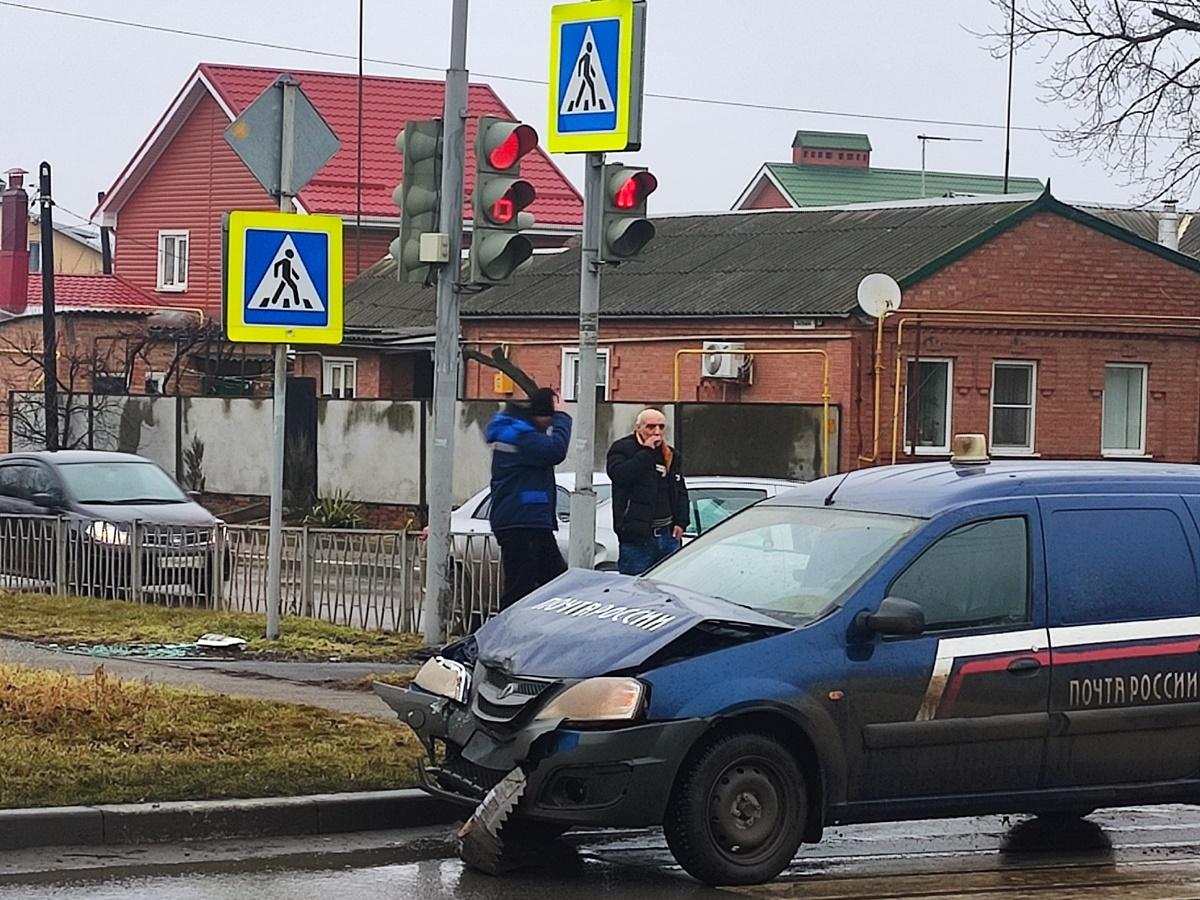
(14, 243)
(831, 148)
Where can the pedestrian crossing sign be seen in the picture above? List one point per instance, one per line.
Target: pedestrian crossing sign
(283, 278)
(596, 54)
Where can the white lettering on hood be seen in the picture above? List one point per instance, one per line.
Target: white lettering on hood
(634, 617)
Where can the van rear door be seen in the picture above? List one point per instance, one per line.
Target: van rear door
(1124, 604)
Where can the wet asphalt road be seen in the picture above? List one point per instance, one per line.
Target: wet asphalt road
(1150, 852)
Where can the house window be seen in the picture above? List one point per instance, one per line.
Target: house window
(172, 260)
(35, 257)
(570, 373)
(109, 383)
(927, 405)
(340, 378)
(156, 382)
(1124, 427)
(1014, 386)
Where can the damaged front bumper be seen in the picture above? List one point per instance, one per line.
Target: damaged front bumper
(601, 777)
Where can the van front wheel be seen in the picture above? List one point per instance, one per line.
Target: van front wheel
(737, 811)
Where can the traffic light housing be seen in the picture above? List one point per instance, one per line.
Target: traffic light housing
(418, 196)
(499, 199)
(625, 230)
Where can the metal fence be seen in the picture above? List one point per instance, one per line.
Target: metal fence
(364, 579)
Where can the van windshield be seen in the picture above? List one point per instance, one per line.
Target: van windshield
(785, 559)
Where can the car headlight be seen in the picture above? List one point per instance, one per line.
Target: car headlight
(108, 533)
(444, 677)
(606, 699)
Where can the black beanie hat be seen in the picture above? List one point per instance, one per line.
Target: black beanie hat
(541, 402)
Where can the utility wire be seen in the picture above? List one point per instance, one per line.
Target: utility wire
(440, 70)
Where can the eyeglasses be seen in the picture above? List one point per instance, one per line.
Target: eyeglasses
(654, 427)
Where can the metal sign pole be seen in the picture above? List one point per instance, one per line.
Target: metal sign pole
(279, 407)
(446, 350)
(582, 547)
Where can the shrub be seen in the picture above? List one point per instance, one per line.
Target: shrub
(338, 511)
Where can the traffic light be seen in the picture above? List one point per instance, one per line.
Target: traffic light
(418, 195)
(625, 229)
(498, 200)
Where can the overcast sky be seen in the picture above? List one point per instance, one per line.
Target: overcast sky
(84, 94)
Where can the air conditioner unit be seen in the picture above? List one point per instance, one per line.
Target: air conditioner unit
(721, 359)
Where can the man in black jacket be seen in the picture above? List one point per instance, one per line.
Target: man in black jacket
(650, 500)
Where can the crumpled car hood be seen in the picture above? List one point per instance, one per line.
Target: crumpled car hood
(589, 623)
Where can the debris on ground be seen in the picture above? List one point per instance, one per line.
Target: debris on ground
(220, 642)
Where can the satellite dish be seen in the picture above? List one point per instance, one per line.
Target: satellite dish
(878, 294)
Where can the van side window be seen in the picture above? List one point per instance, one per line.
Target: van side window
(977, 574)
(1114, 565)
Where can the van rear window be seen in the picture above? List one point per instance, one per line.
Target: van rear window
(1113, 565)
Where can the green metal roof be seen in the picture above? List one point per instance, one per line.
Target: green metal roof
(831, 140)
(833, 185)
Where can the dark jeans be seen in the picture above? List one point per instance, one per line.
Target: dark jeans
(636, 557)
(531, 558)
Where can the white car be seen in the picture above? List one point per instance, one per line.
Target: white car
(713, 498)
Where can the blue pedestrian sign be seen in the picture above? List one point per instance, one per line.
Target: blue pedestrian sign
(596, 53)
(284, 278)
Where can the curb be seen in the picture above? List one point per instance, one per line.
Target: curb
(136, 823)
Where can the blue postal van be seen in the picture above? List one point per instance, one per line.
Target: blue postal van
(901, 642)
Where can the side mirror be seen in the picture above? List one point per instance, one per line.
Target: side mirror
(894, 616)
(44, 500)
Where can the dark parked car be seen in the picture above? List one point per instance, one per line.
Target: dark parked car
(100, 496)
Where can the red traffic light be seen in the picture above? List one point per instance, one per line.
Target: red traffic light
(515, 195)
(633, 192)
(516, 144)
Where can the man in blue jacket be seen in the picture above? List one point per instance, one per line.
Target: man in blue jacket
(528, 441)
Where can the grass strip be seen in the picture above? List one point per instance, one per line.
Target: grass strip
(70, 740)
(81, 620)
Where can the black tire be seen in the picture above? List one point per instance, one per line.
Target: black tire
(737, 811)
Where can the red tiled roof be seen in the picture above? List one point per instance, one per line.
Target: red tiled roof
(104, 293)
(387, 104)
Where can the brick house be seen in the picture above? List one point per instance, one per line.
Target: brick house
(104, 342)
(166, 205)
(1058, 331)
(831, 167)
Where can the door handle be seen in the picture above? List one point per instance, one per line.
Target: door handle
(1024, 665)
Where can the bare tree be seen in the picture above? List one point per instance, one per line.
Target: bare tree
(182, 338)
(1131, 69)
(84, 418)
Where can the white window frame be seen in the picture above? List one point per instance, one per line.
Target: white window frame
(1014, 449)
(348, 366)
(177, 284)
(35, 257)
(159, 379)
(1141, 448)
(943, 450)
(570, 356)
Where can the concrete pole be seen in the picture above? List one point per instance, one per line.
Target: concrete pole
(446, 358)
(582, 547)
(49, 327)
(279, 404)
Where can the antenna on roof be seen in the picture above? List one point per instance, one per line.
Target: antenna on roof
(926, 138)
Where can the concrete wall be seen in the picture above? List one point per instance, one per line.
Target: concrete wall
(236, 433)
(370, 450)
(146, 426)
